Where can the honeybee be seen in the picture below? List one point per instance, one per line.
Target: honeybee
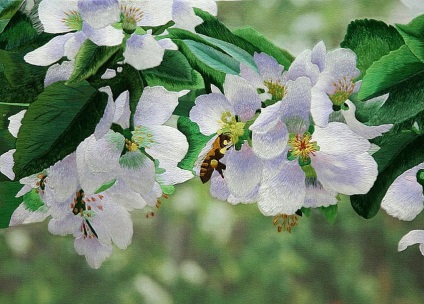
(211, 161)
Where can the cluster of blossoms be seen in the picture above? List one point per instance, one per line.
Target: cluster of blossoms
(294, 141)
(286, 138)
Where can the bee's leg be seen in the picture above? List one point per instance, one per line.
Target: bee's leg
(220, 168)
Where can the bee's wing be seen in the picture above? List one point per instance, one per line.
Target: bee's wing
(203, 154)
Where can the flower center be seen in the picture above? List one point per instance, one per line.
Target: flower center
(343, 88)
(142, 137)
(41, 183)
(276, 89)
(131, 146)
(230, 126)
(73, 21)
(288, 222)
(130, 16)
(302, 147)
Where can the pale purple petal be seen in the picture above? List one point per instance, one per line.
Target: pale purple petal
(340, 63)
(184, 16)
(404, 199)
(106, 121)
(95, 252)
(283, 193)
(155, 12)
(302, 66)
(99, 13)
(321, 107)
(49, 53)
(243, 172)
(62, 178)
(167, 44)
(268, 67)
(22, 215)
(219, 188)
(73, 45)
(318, 55)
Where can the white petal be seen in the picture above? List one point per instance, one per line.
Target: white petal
(124, 196)
(62, 178)
(95, 252)
(59, 72)
(49, 53)
(356, 126)
(243, 172)
(411, 238)
(106, 121)
(321, 107)
(15, 123)
(208, 110)
(7, 163)
(73, 45)
(167, 44)
(269, 142)
(284, 192)
(345, 173)
(338, 139)
(117, 221)
(404, 199)
(242, 96)
(95, 168)
(174, 175)
(52, 14)
(122, 110)
(143, 52)
(206, 5)
(155, 12)
(184, 16)
(99, 13)
(317, 196)
(155, 106)
(169, 146)
(138, 171)
(106, 36)
(22, 215)
(109, 74)
(67, 225)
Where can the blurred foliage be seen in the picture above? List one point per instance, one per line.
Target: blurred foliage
(199, 250)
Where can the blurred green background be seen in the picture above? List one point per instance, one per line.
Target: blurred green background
(199, 250)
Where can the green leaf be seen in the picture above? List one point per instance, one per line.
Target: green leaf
(196, 142)
(18, 32)
(370, 40)
(410, 155)
(393, 69)
(90, 58)
(213, 58)
(237, 53)
(8, 201)
(186, 102)
(329, 212)
(212, 27)
(32, 200)
(262, 44)
(20, 82)
(7, 11)
(174, 73)
(413, 33)
(54, 125)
